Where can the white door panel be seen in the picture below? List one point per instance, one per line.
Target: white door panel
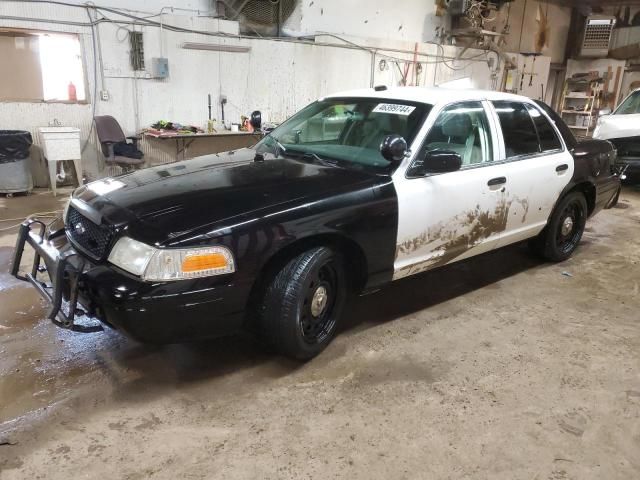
(532, 188)
(534, 182)
(492, 201)
(447, 217)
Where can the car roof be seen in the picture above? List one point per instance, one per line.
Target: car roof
(430, 95)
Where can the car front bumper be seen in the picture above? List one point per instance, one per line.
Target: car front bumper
(167, 312)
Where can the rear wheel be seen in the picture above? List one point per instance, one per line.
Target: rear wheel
(562, 234)
(302, 303)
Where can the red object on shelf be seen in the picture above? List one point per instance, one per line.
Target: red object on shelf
(73, 96)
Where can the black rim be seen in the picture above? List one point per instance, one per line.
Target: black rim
(570, 227)
(316, 328)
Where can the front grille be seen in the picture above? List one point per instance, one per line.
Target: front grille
(94, 239)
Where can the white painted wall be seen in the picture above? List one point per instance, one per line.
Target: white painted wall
(416, 21)
(412, 20)
(152, 6)
(276, 77)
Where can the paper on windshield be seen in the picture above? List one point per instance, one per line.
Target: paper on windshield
(393, 108)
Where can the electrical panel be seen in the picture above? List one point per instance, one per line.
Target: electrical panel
(159, 67)
(597, 36)
(136, 51)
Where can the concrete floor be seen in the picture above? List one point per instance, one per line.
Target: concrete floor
(499, 367)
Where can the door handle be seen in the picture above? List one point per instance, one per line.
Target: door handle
(562, 168)
(497, 181)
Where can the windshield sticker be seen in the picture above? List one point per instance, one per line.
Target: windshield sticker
(393, 108)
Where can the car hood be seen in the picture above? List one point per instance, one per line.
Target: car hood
(617, 126)
(214, 190)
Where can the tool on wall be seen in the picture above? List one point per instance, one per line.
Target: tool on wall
(223, 101)
(210, 121)
(531, 73)
(524, 68)
(533, 68)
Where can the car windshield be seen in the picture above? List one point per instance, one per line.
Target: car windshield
(345, 130)
(630, 105)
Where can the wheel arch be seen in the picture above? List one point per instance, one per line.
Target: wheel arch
(354, 256)
(588, 189)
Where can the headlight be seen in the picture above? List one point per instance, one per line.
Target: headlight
(163, 264)
(131, 255)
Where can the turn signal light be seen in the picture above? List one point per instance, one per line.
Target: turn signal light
(206, 261)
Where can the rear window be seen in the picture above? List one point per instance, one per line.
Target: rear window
(549, 140)
(567, 134)
(519, 132)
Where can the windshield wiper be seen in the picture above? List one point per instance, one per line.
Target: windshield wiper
(299, 154)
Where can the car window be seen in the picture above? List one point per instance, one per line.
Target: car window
(519, 132)
(567, 134)
(549, 140)
(630, 105)
(348, 130)
(462, 128)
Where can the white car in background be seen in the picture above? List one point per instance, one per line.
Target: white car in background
(622, 128)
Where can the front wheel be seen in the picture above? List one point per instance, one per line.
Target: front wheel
(561, 236)
(303, 302)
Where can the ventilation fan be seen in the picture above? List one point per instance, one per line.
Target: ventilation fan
(597, 36)
(259, 16)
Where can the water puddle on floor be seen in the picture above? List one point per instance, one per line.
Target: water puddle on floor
(20, 304)
(39, 364)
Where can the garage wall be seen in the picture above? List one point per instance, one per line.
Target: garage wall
(412, 20)
(416, 21)
(526, 19)
(276, 77)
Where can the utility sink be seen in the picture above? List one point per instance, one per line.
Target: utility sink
(60, 143)
(59, 130)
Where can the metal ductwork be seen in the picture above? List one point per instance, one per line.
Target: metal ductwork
(264, 17)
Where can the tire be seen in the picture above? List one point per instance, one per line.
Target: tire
(561, 236)
(303, 302)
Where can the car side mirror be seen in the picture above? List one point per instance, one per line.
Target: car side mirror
(604, 111)
(393, 148)
(436, 161)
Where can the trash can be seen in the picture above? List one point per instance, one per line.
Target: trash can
(14, 157)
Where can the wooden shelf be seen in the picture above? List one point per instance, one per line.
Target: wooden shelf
(579, 95)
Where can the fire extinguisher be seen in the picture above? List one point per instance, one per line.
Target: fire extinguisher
(73, 96)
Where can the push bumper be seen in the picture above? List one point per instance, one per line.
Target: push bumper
(167, 312)
(63, 266)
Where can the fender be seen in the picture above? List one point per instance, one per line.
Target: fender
(592, 173)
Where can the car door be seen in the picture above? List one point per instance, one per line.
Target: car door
(446, 217)
(536, 165)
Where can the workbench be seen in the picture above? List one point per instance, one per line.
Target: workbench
(215, 142)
